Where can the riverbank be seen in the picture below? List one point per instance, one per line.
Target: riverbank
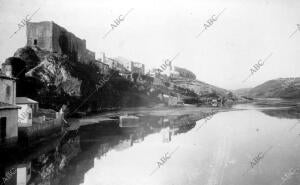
(214, 144)
(197, 112)
(111, 120)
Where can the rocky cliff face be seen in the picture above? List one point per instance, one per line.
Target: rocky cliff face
(29, 56)
(51, 72)
(54, 80)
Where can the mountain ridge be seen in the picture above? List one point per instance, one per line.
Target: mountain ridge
(275, 88)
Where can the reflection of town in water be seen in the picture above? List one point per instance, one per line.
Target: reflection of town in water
(67, 159)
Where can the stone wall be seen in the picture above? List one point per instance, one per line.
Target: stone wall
(40, 34)
(89, 56)
(54, 38)
(39, 130)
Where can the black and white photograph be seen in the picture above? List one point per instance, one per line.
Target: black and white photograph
(149, 92)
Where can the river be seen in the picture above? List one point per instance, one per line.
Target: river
(253, 144)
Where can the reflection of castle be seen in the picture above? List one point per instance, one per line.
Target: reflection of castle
(51, 37)
(67, 160)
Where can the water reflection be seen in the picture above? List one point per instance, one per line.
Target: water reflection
(291, 113)
(43, 168)
(23, 173)
(67, 159)
(230, 144)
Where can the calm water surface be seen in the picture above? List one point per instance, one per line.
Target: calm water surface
(255, 144)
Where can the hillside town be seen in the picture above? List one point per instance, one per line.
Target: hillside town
(26, 124)
(23, 119)
(149, 92)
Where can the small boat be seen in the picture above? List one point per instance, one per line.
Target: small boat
(129, 121)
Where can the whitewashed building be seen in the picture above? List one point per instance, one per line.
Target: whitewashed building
(34, 105)
(8, 110)
(28, 108)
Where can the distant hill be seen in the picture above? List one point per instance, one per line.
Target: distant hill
(277, 88)
(242, 92)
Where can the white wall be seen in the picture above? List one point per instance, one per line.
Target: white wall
(4, 84)
(24, 118)
(11, 122)
(22, 176)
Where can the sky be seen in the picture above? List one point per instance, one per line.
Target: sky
(153, 31)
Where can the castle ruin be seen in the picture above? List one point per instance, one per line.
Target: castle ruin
(49, 36)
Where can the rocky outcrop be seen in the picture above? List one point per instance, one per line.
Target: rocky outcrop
(184, 73)
(54, 79)
(28, 55)
(51, 72)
